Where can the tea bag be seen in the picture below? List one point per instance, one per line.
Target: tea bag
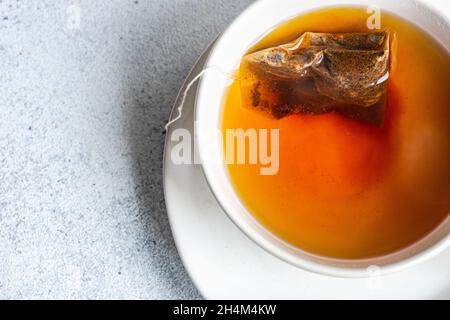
(318, 73)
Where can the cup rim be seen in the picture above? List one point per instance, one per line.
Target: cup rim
(259, 234)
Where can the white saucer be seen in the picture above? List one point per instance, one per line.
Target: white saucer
(224, 264)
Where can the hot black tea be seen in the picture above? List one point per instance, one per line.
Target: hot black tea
(347, 188)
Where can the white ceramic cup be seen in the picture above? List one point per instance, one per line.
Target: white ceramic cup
(253, 23)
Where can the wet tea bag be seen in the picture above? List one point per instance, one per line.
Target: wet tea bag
(319, 73)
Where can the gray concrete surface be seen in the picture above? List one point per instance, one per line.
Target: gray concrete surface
(86, 88)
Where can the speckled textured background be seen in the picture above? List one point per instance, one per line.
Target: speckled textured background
(82, 111)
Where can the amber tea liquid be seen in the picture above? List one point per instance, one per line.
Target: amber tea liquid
(346, 189)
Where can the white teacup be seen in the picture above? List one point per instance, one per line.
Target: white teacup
(226, 54)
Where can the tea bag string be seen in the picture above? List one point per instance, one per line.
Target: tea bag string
(188, 88)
